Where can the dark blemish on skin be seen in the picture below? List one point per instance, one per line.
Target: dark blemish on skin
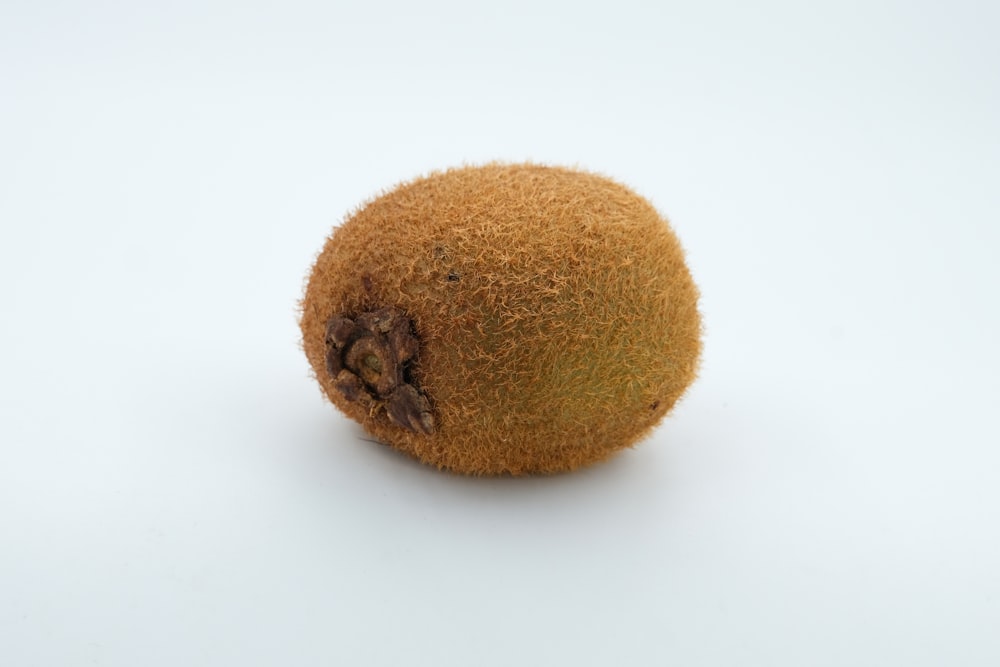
(453, 277)
(654, 405)
(369, 358)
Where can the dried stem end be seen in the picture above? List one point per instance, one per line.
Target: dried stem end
(368, 358)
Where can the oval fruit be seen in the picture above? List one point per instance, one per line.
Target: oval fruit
(504, 318)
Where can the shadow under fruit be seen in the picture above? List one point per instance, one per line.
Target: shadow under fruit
(504, 318)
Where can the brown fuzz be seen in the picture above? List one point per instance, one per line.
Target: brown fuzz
(504, 319)
(367, 359)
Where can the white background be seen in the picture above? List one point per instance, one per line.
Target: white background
(175, 491)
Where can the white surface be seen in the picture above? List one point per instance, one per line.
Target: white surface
(173, 490)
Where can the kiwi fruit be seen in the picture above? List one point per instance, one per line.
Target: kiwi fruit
(504, 318)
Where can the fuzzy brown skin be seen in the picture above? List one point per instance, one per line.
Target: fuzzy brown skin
(556, 320)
